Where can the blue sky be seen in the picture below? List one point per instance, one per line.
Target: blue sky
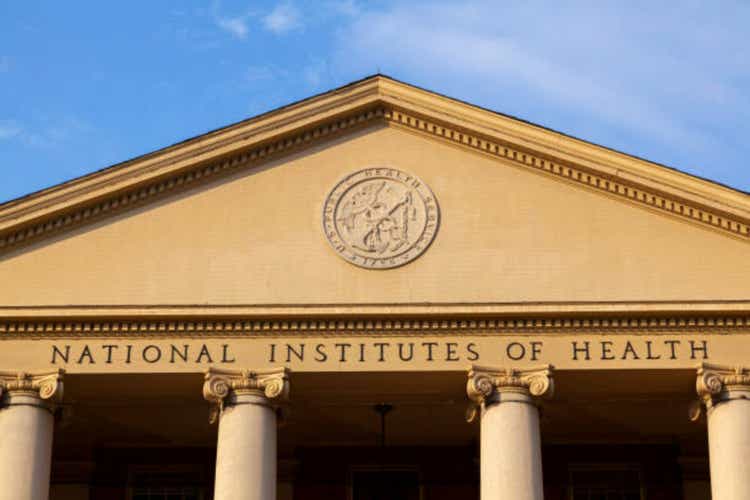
(87, 84)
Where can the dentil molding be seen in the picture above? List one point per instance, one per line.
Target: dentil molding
(241, 327)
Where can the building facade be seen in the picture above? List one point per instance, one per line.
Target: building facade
(377, 293)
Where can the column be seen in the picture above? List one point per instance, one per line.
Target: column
(245, 404)
(26, 427)
(510, 450)
(725, 392)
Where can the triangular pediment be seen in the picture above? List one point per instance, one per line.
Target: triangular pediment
(233, 218)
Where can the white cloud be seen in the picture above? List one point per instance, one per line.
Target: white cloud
(9, 129)
(614, 64)
(235, 26)
(258, 73)
(344, 7)
(47, 134)
(282, 19)
(314, 73)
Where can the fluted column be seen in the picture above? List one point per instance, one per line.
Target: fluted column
(725, 392)
(26, 428)
(245, 404)
(510, 451)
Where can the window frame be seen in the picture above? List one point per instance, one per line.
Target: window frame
(607, 467)
(177, 470)
(383, 468)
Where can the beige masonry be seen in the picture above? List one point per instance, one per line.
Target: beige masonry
(352, 238)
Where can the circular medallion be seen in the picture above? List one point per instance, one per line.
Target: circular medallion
(380, 218)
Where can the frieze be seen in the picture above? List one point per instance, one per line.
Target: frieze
(397, 352)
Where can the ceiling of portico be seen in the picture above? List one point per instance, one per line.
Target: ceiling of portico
(335, 410)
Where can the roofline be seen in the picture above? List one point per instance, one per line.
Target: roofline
(376, 97)
(183, 142)
(565, 134)
(354, 83)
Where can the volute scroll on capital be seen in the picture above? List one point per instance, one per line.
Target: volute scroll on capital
(485, 385)
(717, 383)
(271, 385)
(46, 386)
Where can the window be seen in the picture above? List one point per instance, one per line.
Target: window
(605, 482)
(166, 493)
(166, 483)
(385, 484)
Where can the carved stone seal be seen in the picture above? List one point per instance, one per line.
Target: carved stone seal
(380, 218)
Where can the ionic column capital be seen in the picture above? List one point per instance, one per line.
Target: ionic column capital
(270, 387)
(486, 384)
(45, 386)
(717, 383)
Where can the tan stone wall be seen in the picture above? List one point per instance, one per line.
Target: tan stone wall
(507, 235)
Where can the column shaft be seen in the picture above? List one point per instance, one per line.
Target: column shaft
(26, 428)
(245, 405)
(511, 457)
(246, 451)
(729, 449)
(511, 452)
(725, 391)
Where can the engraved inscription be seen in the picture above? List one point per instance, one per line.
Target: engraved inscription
(380, 218)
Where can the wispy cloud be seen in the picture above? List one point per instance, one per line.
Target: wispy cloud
(259, 73)
(45, 135)
(9, 129)
(349, 8)
(235, 26)
(314, 73)
(283, 19)
(614, 64)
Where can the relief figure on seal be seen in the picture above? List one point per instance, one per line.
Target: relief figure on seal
(377, 217)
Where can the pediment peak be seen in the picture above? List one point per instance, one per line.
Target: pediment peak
(373, 100)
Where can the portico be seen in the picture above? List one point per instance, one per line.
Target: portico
(311, 304)
(578, 429)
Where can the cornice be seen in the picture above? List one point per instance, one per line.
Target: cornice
(377, 100)
(649, 193)
(292, 311)
(24, 228)
(332, 327)
(541, 140)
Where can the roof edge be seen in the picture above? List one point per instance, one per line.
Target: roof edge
(360, 103)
